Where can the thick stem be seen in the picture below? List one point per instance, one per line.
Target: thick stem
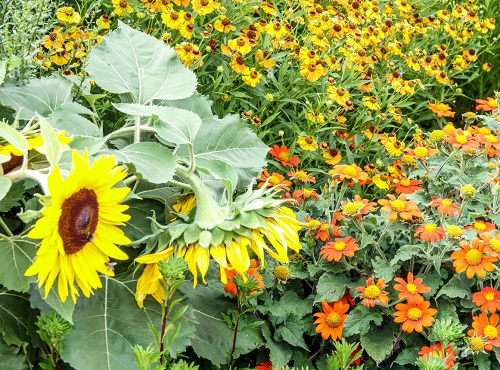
(235, 335)
(54, 356)
(163, 326)
(137, 129)
(5, 227)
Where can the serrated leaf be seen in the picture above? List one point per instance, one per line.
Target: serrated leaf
(358, 321)
(16, 255)
(279, 353)
(130, 61)
(405, 253)
(220, 171)
(379, 341)
(10, 358)
(455, 288)
(290, 304)
(150, 161)
(13, 197)
(68, 118)
(53, 301)
(382, 269)
(139, 224)
(14, 316)
(331, 287)
(292, 333)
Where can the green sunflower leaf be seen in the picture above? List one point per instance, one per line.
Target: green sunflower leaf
(10, 358)
(16, 255)
(53, 301)
(14, 316)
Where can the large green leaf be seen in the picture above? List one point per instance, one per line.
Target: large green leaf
(358, 321)
(455, 288)
(16, 255)
(331, 287)
(378, 342)
(280, 353)
(5, 185)
(150, 161)
(10, 358)
(130, 61)
(53, 301)
(14, 316)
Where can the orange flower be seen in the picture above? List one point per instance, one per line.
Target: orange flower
(441, 109)
(301, 176)
(264, 366)
(481, 226)
(276, 180)
(332, 156)
(323, 232)
(410, 290)
(373, 292)
(331, 320)
(445, 206)
(415, 315)
(488, 299)
(230, 287)
(459, 139)
(406, 210)
(492, 245)
(340, 247)
(487, 328)
(407, 186)
(472, 259)
(303, 194)
(282, 154)
(358, 207)
(421, 152)
(350, 172)
(430, 233)
(436, 350)
(487, 105)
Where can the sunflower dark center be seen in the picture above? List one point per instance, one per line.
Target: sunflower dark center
(78, 220)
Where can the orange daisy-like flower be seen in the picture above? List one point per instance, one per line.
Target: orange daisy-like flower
(349, 172)
(358, 207)
(445, 206)
(406, 210)
(331, 320)
(441, 109)
(407, 186)
(303, 194)
(481, 226)
(472, 258)
(421, 152)
(282, 154)
(430, 233)
(488, 299)
(264, 366)
(371, 293)
(459, 139)
(492, 244)
(415, 315)
(436, 350)
(487, 328)
(487, 105)
(276, 180)
(230, 287)
(411, 289)
(333, 251)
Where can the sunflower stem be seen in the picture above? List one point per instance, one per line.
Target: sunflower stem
(137, 129)
(192, 160)
(164, 322)
(5, 227)
(35, 175)
(235, 334)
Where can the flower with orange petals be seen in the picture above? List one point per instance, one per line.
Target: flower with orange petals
(487, 105)
(481, 226)
(445, 206)
(436, 350)
(349, 172)
(471, 258)
(264, 366)
(333, 251)
(488, 299)
(406, 210)
(410, 289)
(488, 328)
(304, 194)
(421, 152)
(415, 315)
(358, 207)
(230, 286)
(492, 244)
(275, 180)
(407, 186)
(441, 109)
(282, 154)
(323, 232)
(430, 233)
(371, 293)
(301, 176)
(331, 320)
(463, 140)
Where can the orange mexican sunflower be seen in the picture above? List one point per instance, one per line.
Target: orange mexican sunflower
(230, 286)
(406, 210)
(331, 320)
(487, 105)
(436, 350)
(415, 315)
(441, 109)
(488, 299)
(421, 152)
(264, 366)
(487, 328)
(301, 176)
(349, 172)
(304, 194)
(373, 292)
(276, 180)
(340, 247)
(358, 207)
(282, 154)
(445, 206)
(323, 232)
(492, 244)
(407, 186)
(472, 258)
(430, 233)
(460, 139)
(410, 289)
(481, 226)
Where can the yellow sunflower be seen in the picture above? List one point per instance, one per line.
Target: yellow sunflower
(79, 227)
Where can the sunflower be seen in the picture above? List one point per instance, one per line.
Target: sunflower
(488, 299)
(430, 233)
(487, 328)
(415, 315)
(371, 293)
(410, 289)
(333, 251)
(471, 258)
(78, 228)
(331, 320)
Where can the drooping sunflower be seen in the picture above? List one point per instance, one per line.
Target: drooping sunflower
(79, 228)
